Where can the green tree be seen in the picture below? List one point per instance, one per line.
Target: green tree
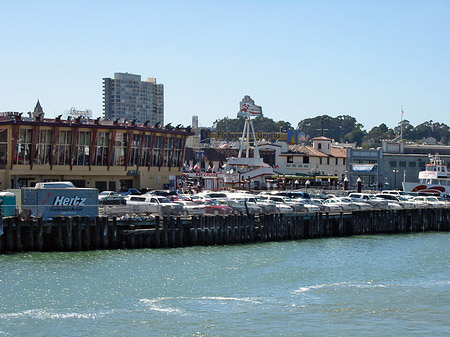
(376, 135)
(356, 135)
(335, 128)
(229, 124)
(260, 123)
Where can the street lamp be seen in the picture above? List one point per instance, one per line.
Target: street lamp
(395, 178)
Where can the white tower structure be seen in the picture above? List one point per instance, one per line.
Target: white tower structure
(245, 167)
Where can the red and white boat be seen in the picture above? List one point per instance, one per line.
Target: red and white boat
(435, 178)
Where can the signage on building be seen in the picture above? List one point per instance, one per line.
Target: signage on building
(234, 136)
(248, 108)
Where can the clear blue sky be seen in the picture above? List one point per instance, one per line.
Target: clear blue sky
(297, 59)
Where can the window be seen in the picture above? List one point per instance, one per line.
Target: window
(168, 148)
(83, 148)
(64, 148)
(178, 152)
(402, 163)
(3, 148)
(146, 150)
(135, 147)
(319, 146)
(44, 147)
(157, 151)
(24, 145)
(120, 149)
(393, 163)
(290, 159)
(337, 161)
(102, 149)
(328, 160)
(305, 160)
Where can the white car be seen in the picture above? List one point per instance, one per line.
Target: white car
(435, 202)
(111, 198)
(369, 199)
(191, 208)
(296, 207)
(401, 200)
(361, 205)
(106, 194)
(309, 205)
(153, 204)
(421, 202)
(326, 207)
(346, 204)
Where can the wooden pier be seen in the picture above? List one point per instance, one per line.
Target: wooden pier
(82, 233)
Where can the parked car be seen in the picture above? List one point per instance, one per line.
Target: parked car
(345, 204)
(435, 202)
(129, 191)
(154, 204)
(238, 207)
(219, 196)
(324, 206)
(111, 198)
(404, 202)
(282, 207)
(309, 205)
(191, 208)
(295, 194)
(361, 205)
(296, 206)
(371, 199)
(216, 208)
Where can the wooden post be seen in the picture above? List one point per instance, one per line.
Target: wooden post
(165, 232)
(173, 241)
(87, 233)
(8, 229)
(69, 230)
(97, 231)
(39, 235)
(195, 220)
(59, 238)
(31, 230)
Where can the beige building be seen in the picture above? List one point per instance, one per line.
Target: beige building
(90, 153)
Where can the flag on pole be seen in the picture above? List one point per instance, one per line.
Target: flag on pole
(402, 110)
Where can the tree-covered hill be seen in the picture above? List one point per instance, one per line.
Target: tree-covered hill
(343, 128)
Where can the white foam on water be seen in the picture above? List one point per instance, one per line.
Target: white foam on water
(153, 306)
(46, 314)
(219, 298)
(363, 285)
(318, 286)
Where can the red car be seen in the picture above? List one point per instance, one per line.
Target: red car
(213, 207)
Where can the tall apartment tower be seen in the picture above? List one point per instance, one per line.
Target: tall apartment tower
(127, 97)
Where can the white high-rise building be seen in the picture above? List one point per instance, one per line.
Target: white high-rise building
(127, 97)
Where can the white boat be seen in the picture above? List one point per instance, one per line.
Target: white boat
(435, 178)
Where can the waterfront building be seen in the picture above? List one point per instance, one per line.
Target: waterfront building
(126, 97)
(403, 161)
(322, 162)
(388, 166)
(364, 164)
(108, 155)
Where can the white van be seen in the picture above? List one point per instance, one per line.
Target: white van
(54, 184)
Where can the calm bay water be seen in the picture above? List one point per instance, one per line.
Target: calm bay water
(393, 285)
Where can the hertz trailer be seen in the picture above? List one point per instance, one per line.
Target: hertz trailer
(67, 201)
